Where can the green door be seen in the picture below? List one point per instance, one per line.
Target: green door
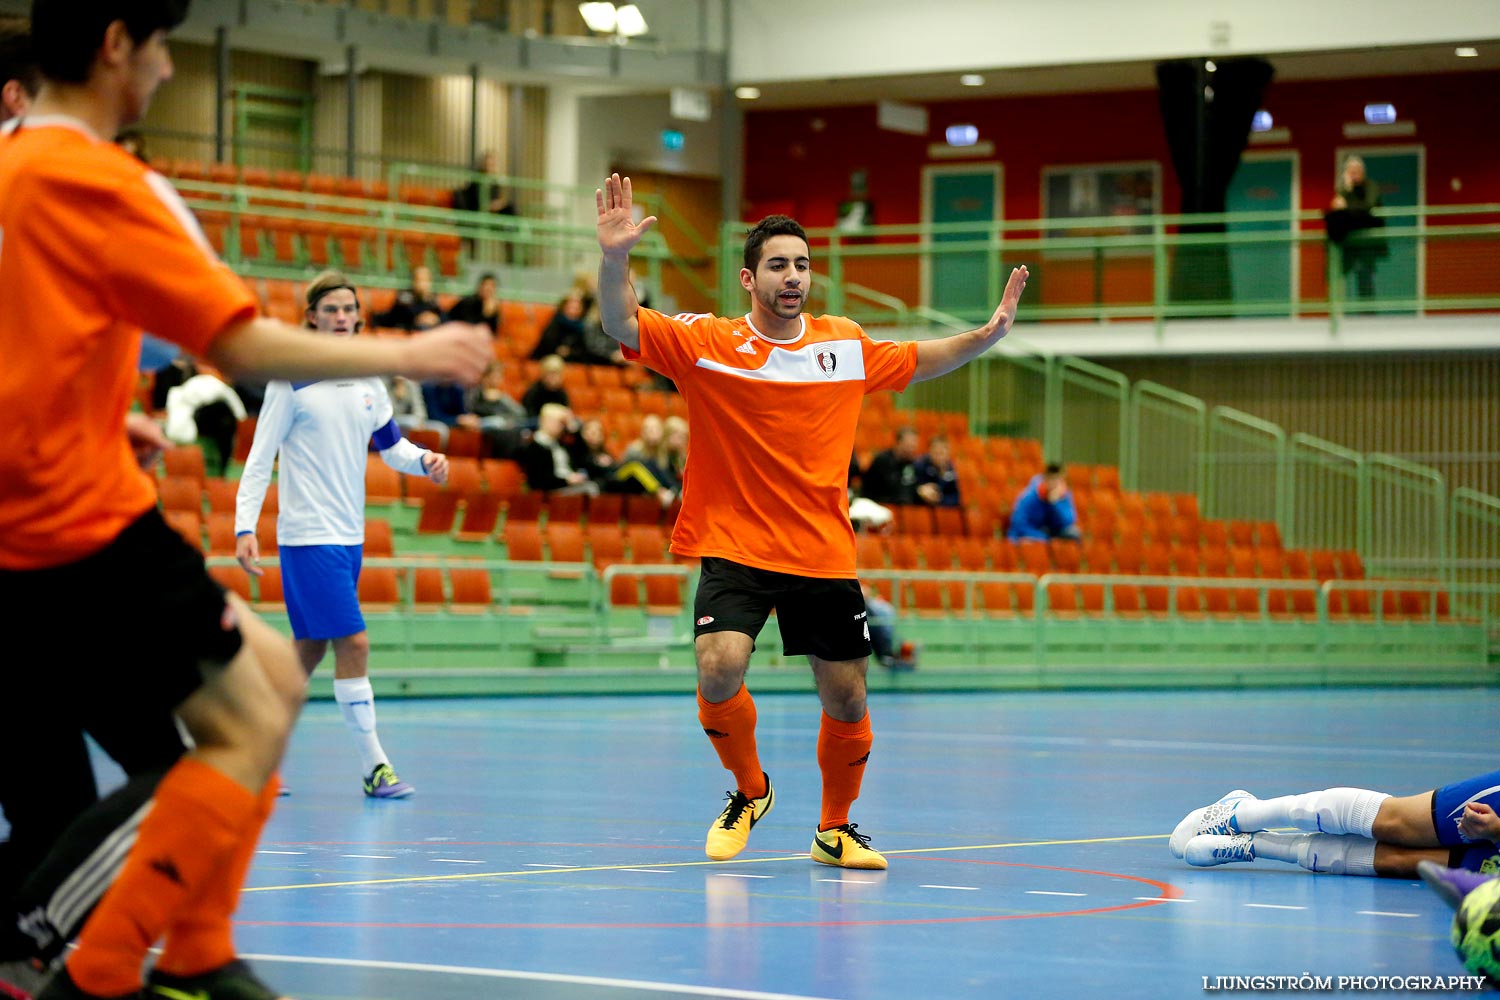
(1261, 272)
(1397, 271)
(961, 282)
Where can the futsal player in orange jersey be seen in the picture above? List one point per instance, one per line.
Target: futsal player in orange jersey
(773, 398)
(94, 247)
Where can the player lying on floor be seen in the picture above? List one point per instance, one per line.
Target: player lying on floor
(1350, 831)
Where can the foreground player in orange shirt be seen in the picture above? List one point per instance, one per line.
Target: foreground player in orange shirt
(93, 248)
(773, 398)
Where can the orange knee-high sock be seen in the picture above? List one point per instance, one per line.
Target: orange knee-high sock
(843, 749)
(730, 726)
(198, 818)
(200, 940)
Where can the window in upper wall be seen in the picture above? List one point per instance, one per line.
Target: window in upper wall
(1101, 191)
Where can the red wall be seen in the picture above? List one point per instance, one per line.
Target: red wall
(794, 166)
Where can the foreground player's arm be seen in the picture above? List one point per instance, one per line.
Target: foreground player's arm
(618, 233)
(266, 348)
(939, 357)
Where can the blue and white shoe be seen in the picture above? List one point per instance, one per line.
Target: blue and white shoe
(383, 784)
(1216, 819)
(1209, 850)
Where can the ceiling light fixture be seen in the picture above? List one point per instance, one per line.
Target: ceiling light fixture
(605, 18)
(747, 93)
(971, 80)
(1466, 52)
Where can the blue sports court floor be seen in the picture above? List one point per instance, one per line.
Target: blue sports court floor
(554, 849)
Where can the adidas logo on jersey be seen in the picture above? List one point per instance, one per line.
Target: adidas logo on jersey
(748, 347)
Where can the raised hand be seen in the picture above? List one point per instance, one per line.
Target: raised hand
(1005, 315)
(618, 230)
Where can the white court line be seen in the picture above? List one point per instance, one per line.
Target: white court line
(964, 888)
(456, 861)
(648, 871)
(1274, 906)
(1384, 913)
(1044, 892)
(738, 875)
(851, 881)
(533, 865)
(544, 977)
(280, 852)
(373, 857)
(1162, 899)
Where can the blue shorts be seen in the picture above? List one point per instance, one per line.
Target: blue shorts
(321, 586)
(1448, 809)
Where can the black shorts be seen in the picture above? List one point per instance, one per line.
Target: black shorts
(127, 629)
(818, 617)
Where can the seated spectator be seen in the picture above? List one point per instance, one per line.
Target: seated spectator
(892, 475)
(483, 307)
(545, 459)
(937, 480)
(491, 404)
(484, 195)
(675, 446)
(881, 616)
(416, 308)
(646, 466)
(409, 408)
(590, 455)
(1044, 510)
(548, 388)
(563, 334)
(448, 404)
(598, 347)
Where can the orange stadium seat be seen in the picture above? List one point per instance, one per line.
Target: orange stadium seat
(232, 578)
(221, 540)
(523, 542)
(606, 545)
(606, 508)
(647, 544)
(438, 513)
(382, 483)
(565, 542)
(379, 539)
(481, 515)
(379, 589)
(181, 493)
(904, 554)
(525, 507)
(567, 508)
(427, 589)
(471, 589)
(268, 595)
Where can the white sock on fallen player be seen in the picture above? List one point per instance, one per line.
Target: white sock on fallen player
(1319, 852)
(1332, 810)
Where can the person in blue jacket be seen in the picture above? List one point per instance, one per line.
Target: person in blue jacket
(1044, 509)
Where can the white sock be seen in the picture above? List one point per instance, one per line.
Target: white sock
(356, 700)
(1333, 810)
(1318, 852)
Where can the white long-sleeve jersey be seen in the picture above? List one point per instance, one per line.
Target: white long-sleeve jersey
(322, 431)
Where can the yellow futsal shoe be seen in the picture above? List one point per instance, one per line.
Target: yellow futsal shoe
(844, 847)
(730, 832)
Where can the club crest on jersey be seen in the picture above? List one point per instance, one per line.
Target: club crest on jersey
(369, 402)
(706, 620)
(827, 362)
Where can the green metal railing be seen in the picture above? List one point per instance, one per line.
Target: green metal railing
(1246, 468)
(1326, 490)
(1167, 440)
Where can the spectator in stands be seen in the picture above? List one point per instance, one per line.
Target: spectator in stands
(448, 405)
(545, 460)
(646, 465)
(598, 347)
(409, 409)
(1349, 220)
(487, 194)
(205, 406)
(676, 447)
(1044, 510)
(482, 307)
(416, 308)
(892, 475)
(548, 388)
(491, 404)
(881, 616)
(563, 334)
(937, 480)
(590, 453)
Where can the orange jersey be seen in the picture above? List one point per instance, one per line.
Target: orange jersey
(94, 248)
(771, 434)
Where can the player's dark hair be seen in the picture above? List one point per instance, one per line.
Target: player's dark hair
(66, 34)
(17, 61)
(1054, 469)
(771, 225)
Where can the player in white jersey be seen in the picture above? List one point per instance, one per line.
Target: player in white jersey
(322, 431)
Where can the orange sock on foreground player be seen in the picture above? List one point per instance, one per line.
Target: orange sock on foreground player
(200, 939)
(730, 725)
(843, 749)
(201, 818)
